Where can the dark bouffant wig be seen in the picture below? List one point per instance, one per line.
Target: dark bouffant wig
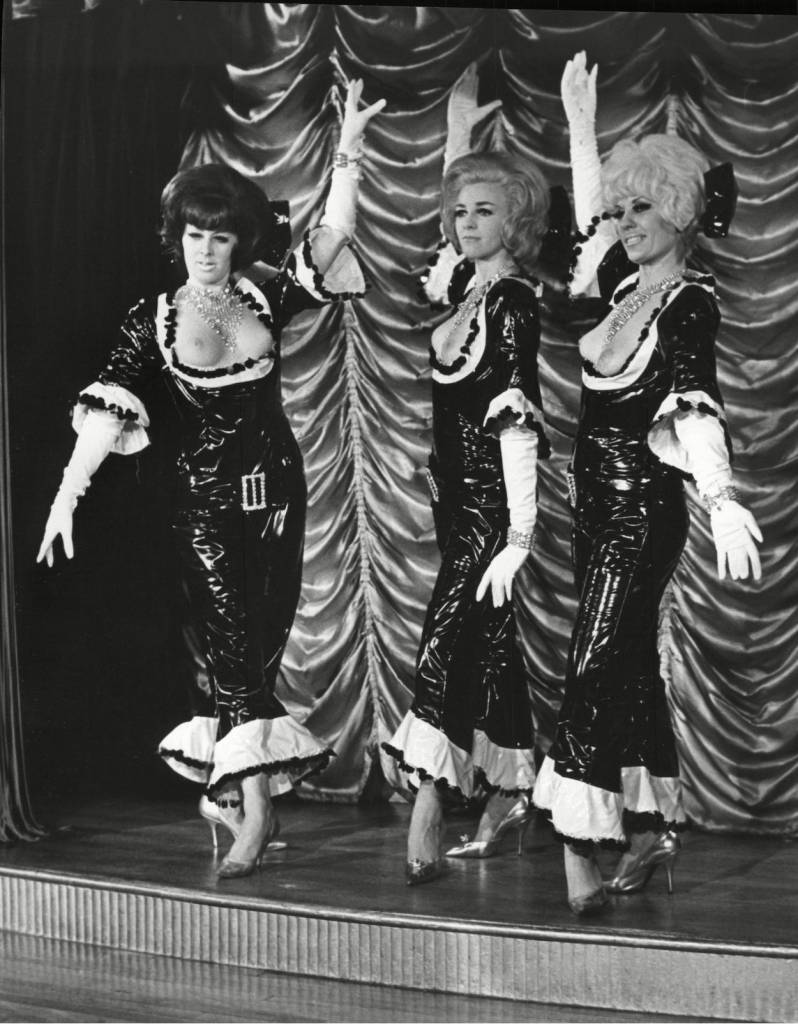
(215, 197)
(527, 195)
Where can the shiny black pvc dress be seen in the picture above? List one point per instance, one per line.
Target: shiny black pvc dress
(613, 767)
(470, 721)
(238, 521)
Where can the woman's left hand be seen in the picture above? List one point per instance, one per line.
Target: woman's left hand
(734, 530)
(355, 121)
(500, 573)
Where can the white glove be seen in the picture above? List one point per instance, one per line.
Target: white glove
(519, 448)
(733, 530)
(341, 206)
(578, 91)
(97, 437)
(463, 113)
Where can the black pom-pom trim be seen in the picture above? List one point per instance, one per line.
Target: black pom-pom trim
(318, 277)
(192, 762)
(441, 784)
(223, 371)
(508, 417)
(307, 766)
(448, 369)
(93, 402)
(651, 821)
(481, 780)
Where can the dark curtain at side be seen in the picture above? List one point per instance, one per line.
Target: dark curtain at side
(356, 379)
(92, 134)
(100, 137)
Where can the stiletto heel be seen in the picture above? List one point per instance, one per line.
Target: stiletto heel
(212, 813)
(637, 874)
(518, 817)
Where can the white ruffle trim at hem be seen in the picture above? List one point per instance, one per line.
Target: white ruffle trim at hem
(426, 752)
(581, 811)
(260, 745)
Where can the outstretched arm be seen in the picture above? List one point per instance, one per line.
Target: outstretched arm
(97, 437)
(338, 221)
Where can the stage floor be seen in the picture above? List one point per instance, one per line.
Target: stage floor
(729, 890)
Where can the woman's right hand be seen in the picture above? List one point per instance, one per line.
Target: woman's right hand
(59, 524)
(578, 90)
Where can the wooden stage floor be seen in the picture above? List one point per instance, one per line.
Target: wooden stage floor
(733, 895)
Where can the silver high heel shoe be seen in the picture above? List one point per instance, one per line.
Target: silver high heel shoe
(664, 850)
(240, 868)
(518, 817)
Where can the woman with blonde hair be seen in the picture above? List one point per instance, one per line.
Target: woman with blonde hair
(470, 723)
(651, 415)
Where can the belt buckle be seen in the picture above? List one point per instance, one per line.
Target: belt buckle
(253, 491)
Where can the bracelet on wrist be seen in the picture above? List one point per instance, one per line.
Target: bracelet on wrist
(343, 160)
(717, 497)
(520, 540)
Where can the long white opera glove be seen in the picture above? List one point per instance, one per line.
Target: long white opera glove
(578, 91)
(96, 438)
(519, 449)
(341, 206)
(733, 526)
(463, 113)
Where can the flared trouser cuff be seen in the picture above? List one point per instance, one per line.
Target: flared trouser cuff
(280, 748)
(418, 752)
(588, 813)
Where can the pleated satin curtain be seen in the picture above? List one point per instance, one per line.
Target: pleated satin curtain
(356, 379)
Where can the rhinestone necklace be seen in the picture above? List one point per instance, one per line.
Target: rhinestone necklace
(634, 301)
(221, 310)
(474, 298)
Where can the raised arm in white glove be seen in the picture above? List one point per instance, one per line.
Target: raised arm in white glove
(341, 206)
(463, 114)
(97, 437)
(519, 448)
(578, 91)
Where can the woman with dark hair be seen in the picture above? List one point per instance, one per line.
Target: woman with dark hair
(470, 722)
(651, 415)
(240, 497)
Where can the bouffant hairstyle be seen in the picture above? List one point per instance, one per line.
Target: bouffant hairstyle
(667, 170)
(527, 196)
(214, 197)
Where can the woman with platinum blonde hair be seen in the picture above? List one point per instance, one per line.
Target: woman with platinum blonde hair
(651, 415)
(470, 722)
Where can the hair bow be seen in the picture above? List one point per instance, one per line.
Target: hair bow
(721, 200)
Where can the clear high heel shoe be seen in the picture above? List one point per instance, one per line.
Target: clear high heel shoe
(518, 817)
(637, 874)
(213, 814)
(240, 868)
(419, 871)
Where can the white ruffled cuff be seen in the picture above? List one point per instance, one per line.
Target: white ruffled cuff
(121, 403)
(506, 768)
(418, 748)
(512, 409)
(342, 280)
(280, 747)
(687, 432)
(439, 274)
(188, 748)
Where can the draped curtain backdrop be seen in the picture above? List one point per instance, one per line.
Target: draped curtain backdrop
(356, 381)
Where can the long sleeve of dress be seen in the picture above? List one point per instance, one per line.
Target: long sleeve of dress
(689, 428)
(134, 361)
